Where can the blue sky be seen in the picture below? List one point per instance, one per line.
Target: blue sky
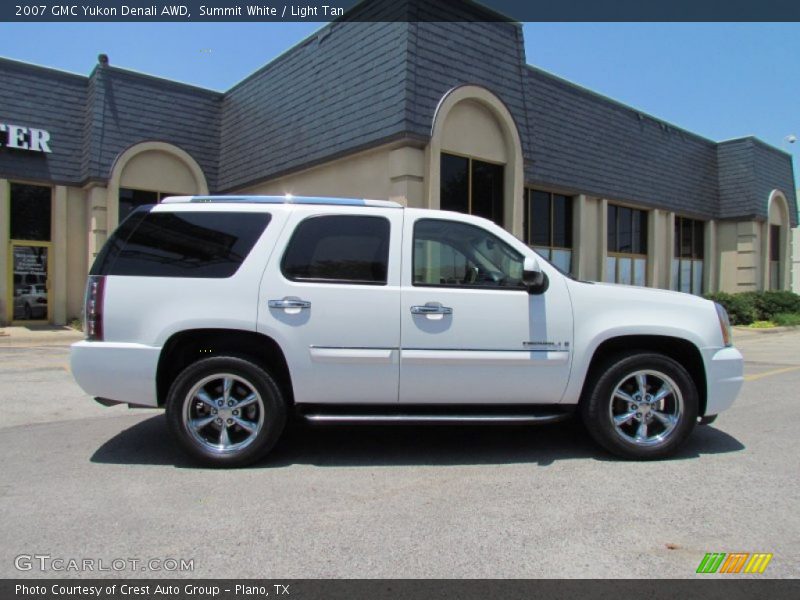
(721, 80)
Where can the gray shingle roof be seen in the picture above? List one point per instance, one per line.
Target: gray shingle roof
(584, 142)
(332, 94)
(354, 85)
(53, 100)
(128, 108)
(444, 55)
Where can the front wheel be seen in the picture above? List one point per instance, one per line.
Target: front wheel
(226, 411)
(641, 406)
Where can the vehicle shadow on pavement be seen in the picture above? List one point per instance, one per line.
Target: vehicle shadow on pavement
(149, 442)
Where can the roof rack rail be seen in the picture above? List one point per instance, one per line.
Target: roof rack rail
(288, 199)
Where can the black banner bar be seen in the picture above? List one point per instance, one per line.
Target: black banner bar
(729, 588)
(397, 10)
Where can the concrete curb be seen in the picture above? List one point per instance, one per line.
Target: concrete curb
(744, 330)
(44, 336)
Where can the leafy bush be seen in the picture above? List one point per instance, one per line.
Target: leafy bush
(769, 304)
(787, 319)
(740, 307)
(746, 307)
(762, 325)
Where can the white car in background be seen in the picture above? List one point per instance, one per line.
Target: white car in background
(30, 302)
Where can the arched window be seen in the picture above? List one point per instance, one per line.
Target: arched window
(776, 243)
(147, 172)
(476, 158)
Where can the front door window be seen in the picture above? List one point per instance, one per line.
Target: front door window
(30, 226)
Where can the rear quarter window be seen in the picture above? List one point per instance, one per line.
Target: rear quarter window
(181, 244)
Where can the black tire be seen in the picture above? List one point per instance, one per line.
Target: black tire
(261, 407)
(598, 409)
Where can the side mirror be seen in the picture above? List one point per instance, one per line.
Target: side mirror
(533, 277)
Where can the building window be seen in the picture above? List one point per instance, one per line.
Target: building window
(774, 257)
(30, 212)
(130, 199)
(472, 186)
(687, 258)
(29, 228)
(548, 227)
(627, 245)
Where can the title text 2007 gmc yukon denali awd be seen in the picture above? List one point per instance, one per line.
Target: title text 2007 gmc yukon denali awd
(236, 313)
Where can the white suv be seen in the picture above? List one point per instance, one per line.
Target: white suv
(238, 312)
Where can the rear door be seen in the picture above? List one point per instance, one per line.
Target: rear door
(471, 333)
(330, 297)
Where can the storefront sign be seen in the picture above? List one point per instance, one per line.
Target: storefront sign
(24, 138)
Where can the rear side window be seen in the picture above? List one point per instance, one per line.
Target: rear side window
(339, 249)
(181, 244)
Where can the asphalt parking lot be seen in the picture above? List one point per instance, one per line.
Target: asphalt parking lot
(83, 481)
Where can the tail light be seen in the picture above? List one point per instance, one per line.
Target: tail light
(93, 308)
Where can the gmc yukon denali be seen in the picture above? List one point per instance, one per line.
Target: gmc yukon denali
(238, 313)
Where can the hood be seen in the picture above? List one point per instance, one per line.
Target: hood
(634, 293)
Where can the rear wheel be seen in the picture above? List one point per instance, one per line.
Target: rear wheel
(641, 406)
(226, 411)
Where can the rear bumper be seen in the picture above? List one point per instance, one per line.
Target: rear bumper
(121, 372)
(724, 378)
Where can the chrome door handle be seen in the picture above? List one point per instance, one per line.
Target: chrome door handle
(289, 303)
(431, 308)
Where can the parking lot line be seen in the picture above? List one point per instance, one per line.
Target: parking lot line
(770, 373)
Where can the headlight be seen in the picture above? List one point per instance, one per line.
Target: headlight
(724, 324)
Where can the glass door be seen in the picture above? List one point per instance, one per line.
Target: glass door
(29, 282)
(29, 229)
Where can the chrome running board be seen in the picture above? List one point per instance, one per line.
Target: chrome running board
(446, 419)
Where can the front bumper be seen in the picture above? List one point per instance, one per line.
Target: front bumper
(125, 373)
(724, 378)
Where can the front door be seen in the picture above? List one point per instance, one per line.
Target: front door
(471, 333)
(29, 282)
(331, 300)
(29, 229)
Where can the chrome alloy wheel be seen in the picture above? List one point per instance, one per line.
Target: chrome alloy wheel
(645, 407)
(223, 412)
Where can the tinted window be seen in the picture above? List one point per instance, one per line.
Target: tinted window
(339, 249)
(30, 212)
(627, 230)
(612, 228)
(540, 219)
(624, 230)
(448, 253)
(689, 242)
(562, 221)
(454, 183)
(111, 249)
(699, 240)
(181, 244)
(487, 191)
(774, 242)
(132, 199)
